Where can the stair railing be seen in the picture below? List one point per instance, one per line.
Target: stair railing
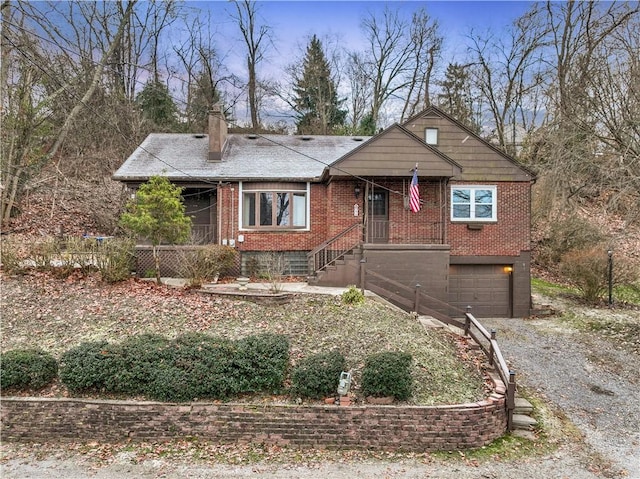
(336, 248)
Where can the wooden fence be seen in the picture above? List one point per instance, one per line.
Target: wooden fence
(413, 299)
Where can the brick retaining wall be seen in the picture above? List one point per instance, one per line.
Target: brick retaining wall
(401, 428)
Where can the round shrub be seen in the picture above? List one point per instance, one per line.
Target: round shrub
(87, 367)
(388, 374)
(261, 362)
(200, 366)
(27, 369)
(317, 376)
(352, 295)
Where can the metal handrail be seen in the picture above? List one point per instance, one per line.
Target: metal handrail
(332, 250)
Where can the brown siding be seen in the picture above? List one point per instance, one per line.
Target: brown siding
(480, 162)
(427, 266)
(394, 153)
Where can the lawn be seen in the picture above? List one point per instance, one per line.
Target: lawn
(39, 310)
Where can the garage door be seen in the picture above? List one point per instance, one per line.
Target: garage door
(483, 287)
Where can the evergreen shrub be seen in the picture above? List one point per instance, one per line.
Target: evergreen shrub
(317, 376)
(388, 374)
(352, 295)
(87, 367)
(27, 369)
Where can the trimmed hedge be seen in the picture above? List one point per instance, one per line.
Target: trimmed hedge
(192, 366)
(388, 374)
(317, 376)
(27, 369)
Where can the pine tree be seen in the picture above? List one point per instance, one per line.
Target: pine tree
(316, 102)
(157, 105)
(456, 97)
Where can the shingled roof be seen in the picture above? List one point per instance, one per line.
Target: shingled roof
(184, 157)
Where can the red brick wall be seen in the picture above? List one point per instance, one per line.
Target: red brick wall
(332, 211)
(509, 236)
(355, 427)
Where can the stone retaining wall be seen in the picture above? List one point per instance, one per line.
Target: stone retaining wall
(399, 428)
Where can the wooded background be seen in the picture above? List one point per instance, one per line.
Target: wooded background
(84, 82)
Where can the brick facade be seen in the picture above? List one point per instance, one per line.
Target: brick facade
(509, 236)
(393, 428)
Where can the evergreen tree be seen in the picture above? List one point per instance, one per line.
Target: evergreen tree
(316, 99)
(456, 98)
(157, 105)
(203, 95)
(157, 214)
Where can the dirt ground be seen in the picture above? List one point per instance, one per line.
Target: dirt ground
(591, 383)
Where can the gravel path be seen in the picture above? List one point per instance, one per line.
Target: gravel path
(593, 383)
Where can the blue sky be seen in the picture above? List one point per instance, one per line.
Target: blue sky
(294, 21)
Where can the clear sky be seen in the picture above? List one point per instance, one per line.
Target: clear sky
(294, 21)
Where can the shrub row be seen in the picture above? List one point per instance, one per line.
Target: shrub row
(195, 365)
(189, 367)
(113, 257)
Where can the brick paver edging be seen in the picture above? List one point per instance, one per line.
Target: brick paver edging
(394, 428)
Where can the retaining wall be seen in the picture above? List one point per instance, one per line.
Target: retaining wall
(394, 428)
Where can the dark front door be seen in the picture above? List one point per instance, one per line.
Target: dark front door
(378, 217)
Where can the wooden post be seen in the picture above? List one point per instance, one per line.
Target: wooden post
(491, 348)
(511, 399)
(467, 321)
(363, 263)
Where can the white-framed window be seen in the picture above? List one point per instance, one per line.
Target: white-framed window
(474, 203)
(431, 136)
(272, 206)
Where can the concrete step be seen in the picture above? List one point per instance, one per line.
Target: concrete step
(523, 407)
(430, 323)
(522, 421)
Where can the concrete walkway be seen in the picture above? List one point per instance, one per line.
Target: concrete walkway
(293, 287)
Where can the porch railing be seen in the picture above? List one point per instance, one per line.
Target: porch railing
(336, 248)
(202, 234)
(383, 231)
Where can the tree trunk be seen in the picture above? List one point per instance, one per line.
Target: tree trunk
(156, 260)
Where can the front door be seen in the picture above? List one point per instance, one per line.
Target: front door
(378, 217)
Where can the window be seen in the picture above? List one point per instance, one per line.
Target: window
(431, 136)
(473, 203)
(274, 205)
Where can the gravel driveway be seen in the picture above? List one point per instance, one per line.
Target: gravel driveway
(593, 383)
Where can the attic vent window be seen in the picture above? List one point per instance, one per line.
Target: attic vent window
(431, 136)
(199, 135)
(252, 137)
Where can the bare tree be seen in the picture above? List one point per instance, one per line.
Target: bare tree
(589, 148)
(399, 59)
(508, 71)
(30, 100)
(427, 45)
(256, 37)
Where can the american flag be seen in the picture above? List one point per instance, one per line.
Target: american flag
(414, 193)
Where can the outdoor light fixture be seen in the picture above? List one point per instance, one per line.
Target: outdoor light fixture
(356, 191)
(508, 269)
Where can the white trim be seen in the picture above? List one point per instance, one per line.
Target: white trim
(307, 192)
(472, 204)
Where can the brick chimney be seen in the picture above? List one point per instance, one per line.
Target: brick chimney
(217, 132)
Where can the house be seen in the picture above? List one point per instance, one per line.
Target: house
(337, 207)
